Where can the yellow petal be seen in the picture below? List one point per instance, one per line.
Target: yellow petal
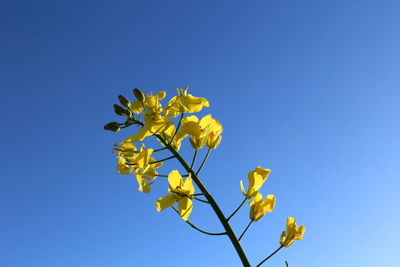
(188, 185)
(165, 201)
(185, 206)
(269, 203)
(242, 187)
(290, 221)
(174, 179)
(256, 199)
(140, 135)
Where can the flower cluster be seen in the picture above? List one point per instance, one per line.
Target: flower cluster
(170, 124)
(148, 112)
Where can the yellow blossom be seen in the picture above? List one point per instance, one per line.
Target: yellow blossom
(125, 149)
(214, 135)
(150, 102)
(181, 191)
(123, 167)
(140, 162)
(144, 175)
(258, 207)
(141, 159)
(185, 103)
(154, 122)
(199, 130)
(256, 179)
(292, 232)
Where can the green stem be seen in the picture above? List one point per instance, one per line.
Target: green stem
(194, 159)
(204, 161)
(213, 204)
(267, 258)
(201, 200)
(237, 209)
(245, 230)
(160, 149)
(161, 160)
(198, 229)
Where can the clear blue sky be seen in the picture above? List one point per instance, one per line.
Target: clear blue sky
(310, 89)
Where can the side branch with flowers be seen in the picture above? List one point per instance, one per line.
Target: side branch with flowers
(155, 121)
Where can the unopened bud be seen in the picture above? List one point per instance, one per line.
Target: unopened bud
(112, 126)
(121, 111)
(139, 95)
(125, 102)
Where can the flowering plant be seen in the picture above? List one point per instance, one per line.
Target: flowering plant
(156, 121)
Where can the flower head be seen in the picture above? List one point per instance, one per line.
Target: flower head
(185, 103)
(154, 122)
(256, 180)
(214, 136)
(181, 191)
(150, 102)
(258, 207)
(124, 149)
(123, 167)
(292, 232)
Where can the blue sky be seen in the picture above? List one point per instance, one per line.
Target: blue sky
(309, 89)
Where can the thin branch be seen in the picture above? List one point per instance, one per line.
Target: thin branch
(198, 229)
(245, 230)
(160, 149)
(287, 264)
(237, 209)
(194, 159)
(267, 258)
(204, 161)
(161, 160)
(201, 200)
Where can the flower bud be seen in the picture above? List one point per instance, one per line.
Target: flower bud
(125, 102)
(112, 126)
(121, 111)
(139, 95)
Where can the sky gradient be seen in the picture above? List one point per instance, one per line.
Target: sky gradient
(310, 89)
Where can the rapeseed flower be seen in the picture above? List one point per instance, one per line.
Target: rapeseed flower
(292, 232)
(259, 207)
(181, 191)
(256, 179)
(185, 103)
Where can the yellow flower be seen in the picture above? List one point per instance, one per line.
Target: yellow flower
(198, 130)
(179, 136)
(292, 232)
(185, 103)
(181, 192)
(144, 175)
(125, 150)
(214, 136)
(140, 162)
(256, 179)
(141, 159)
(154, 122)
(258, 207)
(150, 102)
(122, 166)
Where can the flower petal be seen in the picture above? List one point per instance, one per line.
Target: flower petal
(185, 207)
(174, 179)
(165, 202)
